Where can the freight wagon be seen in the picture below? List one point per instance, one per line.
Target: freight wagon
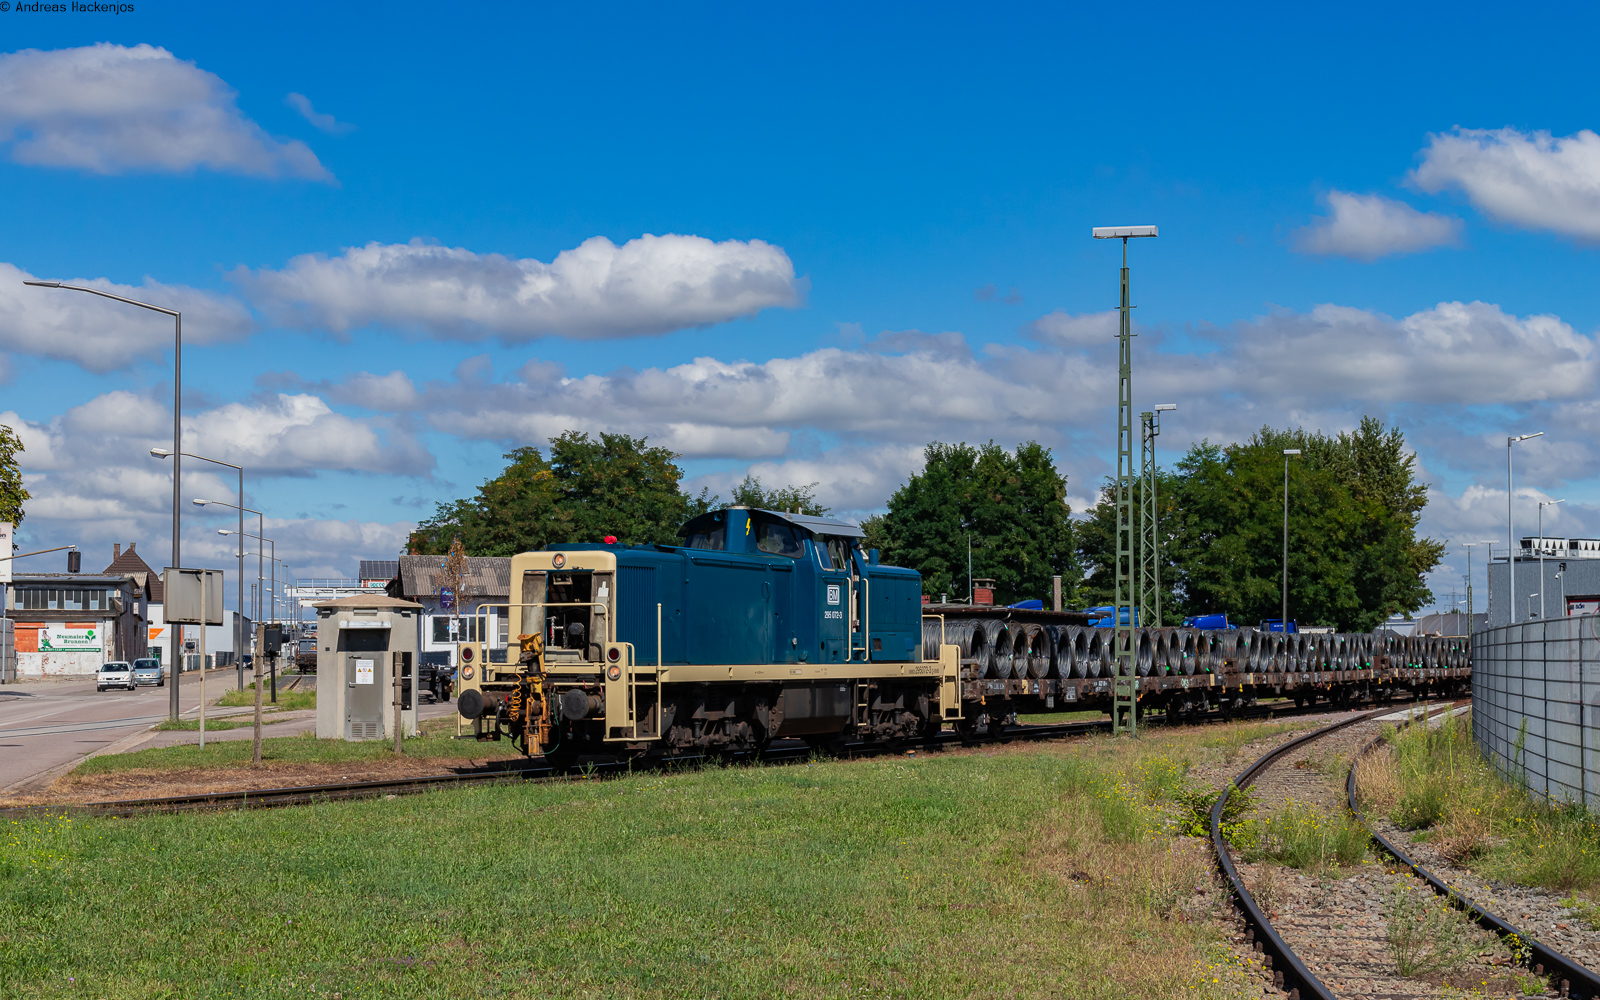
(764, 625)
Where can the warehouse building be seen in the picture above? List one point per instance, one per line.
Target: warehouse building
(1567, 583)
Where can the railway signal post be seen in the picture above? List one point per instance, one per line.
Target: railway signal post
(1125, 680)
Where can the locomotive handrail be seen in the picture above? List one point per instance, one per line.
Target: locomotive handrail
(481, 611)
(941, 626)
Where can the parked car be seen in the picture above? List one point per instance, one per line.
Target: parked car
(149, 671)
(115, 674)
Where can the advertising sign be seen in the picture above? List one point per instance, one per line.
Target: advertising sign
(1583, 605)
(70, 639)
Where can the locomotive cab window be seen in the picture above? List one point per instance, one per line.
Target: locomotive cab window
(779, 539)
(712, 538)
(572, 628)
(833, 552)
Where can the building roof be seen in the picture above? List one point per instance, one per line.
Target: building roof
(487, 576)
(127, 562)
(378, 569)
(365, 601)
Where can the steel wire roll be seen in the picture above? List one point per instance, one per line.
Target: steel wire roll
(1094, 652)
(1158, 652)
(1258, 647)
(1191, 651)
(1143, 653)
(1067, 651)
(1319, 652)
(1279, 656)
(1081, 657)
(1052, 638)
(968, 635)
(1236, 647)
(1035, 648)
(1300, 652)
(1001, 657)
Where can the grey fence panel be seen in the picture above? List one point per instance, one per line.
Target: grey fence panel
(1536, 705)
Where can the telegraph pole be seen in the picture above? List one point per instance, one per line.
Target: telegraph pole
(1125, 680)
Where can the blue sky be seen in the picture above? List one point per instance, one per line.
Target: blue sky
(408, 237)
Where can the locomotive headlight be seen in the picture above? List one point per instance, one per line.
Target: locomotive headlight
(613, 654)
(466, 673)
(614, 672)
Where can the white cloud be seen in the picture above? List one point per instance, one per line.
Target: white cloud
(1528, 179)
(1063, 329)
(93, 481)
(114, 109)
(1369, 226)
(326, 123)
(649, 285)
(102, 335)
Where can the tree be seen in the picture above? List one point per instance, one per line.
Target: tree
(790, 499)
(12, 493)
(1354, 506)
(588, 489)
(1097, 539)
(1010, 505)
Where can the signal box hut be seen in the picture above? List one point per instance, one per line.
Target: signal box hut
(362, 643)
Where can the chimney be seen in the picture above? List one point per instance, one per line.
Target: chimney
(116, 551)
(131, 545)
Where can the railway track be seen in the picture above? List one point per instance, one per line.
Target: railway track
(263, 798)
(1326, 967)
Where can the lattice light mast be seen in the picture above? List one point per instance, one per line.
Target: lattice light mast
(1125, 680)
(1149, 588)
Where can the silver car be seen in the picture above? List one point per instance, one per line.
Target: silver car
(149, 671)
(115, 674)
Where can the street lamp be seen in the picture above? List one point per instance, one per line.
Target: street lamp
(177, 424)
(1469, 546)
(1530, 605)
(238, 626)
(1542, 505)
(1283, 623)
(1123, 684)
(256, 656)
(1511, 540)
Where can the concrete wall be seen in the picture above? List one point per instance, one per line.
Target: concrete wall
(1582, 579)
(1538, 684)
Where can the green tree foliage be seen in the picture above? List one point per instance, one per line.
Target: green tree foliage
(1354, 506)
(588, 489)
(792, 499)
(1012, 505)
(1096, 535)
(12, 493)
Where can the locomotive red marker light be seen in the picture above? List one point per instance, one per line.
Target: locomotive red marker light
(611, 539)
(613, 654)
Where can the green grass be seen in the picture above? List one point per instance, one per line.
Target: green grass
(1437, 781)
(1026, 874)
(288, 701)
(303, 749)
(1305, 837)
(232, 722)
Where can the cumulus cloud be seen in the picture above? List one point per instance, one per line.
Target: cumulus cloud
(326, 123)
(93, 481)
(1369, 226)
(1528, 179)
(1063, 329)
(649, 285)
(114, 109)
(102, 335)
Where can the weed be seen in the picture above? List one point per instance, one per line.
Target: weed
(1427, 935)
(288, 701)
(1267, 890)
(1305, 837)
(1196, 803)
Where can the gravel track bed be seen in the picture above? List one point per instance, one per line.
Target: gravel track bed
(1335, 920)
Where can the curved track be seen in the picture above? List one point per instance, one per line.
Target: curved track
(1289, 970)
(1574, 979)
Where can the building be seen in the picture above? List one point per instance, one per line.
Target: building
(447, 619)
(68, 624)
(1569, 582)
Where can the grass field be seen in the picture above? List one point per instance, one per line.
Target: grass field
(1437, 783)
(1027, 872)
(434, 743)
